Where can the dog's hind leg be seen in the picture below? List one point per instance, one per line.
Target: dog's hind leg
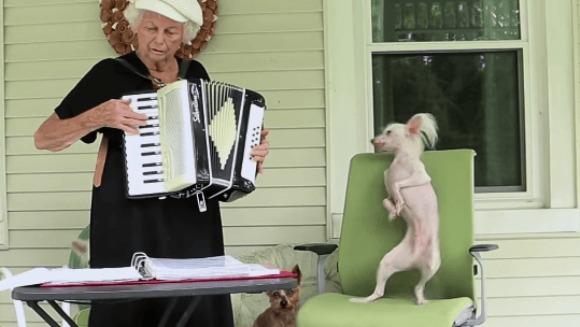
(427, 272)
(394, 261)
(384, 272)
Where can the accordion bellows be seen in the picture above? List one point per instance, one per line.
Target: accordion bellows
(197, 141)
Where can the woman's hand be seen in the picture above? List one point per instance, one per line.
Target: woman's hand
(56, 134)
(118, 114)
(260, 152)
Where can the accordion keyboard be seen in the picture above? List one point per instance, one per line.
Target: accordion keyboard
(143, 151)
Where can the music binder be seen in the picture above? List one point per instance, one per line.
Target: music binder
(197, 268)
(146, 270)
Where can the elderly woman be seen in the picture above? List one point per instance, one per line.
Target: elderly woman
(172, 227)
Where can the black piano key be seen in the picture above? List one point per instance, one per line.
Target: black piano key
(150, 134)
(146, 98)
(151, 164)
(152, 153)
(146, 107)
(150, 181)
(148, 145)
(156, 172)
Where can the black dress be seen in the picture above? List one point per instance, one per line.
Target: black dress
(170, 228)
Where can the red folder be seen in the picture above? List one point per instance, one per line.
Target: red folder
(282, 274)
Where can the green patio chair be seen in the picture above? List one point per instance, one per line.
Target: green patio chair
(367, 234)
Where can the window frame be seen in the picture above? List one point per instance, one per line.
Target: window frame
(550, 61)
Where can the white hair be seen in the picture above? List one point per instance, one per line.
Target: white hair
(134, 16)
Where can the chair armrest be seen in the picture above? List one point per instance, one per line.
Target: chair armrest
(323, 250)
(318, 248)
(483, 248)
(475, 253)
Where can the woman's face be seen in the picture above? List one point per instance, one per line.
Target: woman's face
(159, 37)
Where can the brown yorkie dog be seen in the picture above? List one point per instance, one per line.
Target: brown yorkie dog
(283, 306)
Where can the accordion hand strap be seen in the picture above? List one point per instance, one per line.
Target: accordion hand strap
(101, 157)
(183, 68)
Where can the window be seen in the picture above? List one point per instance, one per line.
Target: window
(475, 95)
(497, 74)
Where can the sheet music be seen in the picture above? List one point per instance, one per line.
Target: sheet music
(41, 275)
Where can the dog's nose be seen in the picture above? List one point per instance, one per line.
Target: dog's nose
(283, 303)
(376, 142)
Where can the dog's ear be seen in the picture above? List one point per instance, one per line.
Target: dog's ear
(298, 273)
(414, 124)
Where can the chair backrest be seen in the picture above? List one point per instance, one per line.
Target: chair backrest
(367, 234)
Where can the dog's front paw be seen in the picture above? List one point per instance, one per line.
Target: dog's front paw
(388, 204)
(399, 206)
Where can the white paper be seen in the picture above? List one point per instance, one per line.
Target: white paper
(67, 275)
(30, 277)
(37, 276)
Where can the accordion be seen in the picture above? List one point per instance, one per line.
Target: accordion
(197, 141)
